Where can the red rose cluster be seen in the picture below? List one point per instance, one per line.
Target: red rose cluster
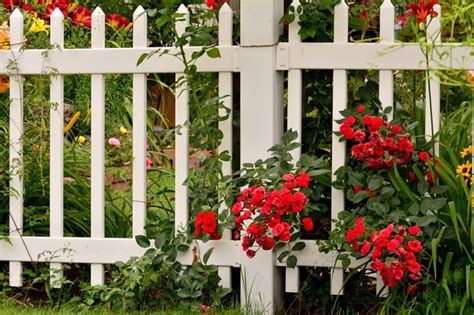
(377, 142)
(393, 253)
(206, 222)
(78, 14)
(272, 213)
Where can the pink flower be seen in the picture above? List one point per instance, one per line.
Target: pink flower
(148, 163)
(114, 142)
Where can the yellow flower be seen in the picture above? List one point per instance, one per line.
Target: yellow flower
(81, 139)
(4, 36)
(472, 200)
(466, 151)
(464, 169)
(4, 83)
(38, 25)
(123, 131)
(72, 122)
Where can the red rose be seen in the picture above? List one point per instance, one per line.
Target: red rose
(365, 249)
(414, 230)
(414, 246)
(361, 109)
(236, 208)
(302, 180)
(412, 288)
(413, 266)
(308, 224)
(396, 129)
(394, 243)
(299, 201)
(268, 243)
(250, 253)
(357, 189)
(359, 136)
(288, 177)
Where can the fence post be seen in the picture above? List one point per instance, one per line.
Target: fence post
(261, 127)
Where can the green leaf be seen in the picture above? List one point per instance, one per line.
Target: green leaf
(213, 53)
(345, 262)
(142, 241)
(361, 195)
(414, 209)
(206, 256)
(160, 241)
(291, 261)
(142, 58)
(283, 255)
(298, 246)
(182, 247)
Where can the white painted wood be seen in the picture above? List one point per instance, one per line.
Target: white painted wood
(375, 56)
(254, 24)
(108, 250)
(117, 60)
(432, 86)
(226, 95)
(338, 151)
(295, 116)
(261, 115)
(98, 145)
(140, 39)
(181, 137)
(387, 34)
(16, 143)
(295, 88)
(56, 133)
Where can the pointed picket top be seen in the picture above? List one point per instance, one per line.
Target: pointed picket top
(387, 21)
(57, 28)
(226, 16)
(140, 31)
(434, 26)
(183, 20)
(16, 30)
(98, 28)
(294, 27)
(341, 22)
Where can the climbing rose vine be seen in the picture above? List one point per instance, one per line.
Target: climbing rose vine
(266, 218)
(394, 251)
(375, 141)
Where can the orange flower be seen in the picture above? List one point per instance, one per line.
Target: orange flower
(422, 10)
(4, 36)
(4, 84)
(82, 16)
(117, 21)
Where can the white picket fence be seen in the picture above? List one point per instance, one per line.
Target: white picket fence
(261, 61)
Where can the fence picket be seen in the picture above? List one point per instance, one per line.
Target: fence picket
(56, 218)
(295, 114)
(432, 86)
(226, 94)
(338, 151)
(16, 144)
(98, 145)
(387, 35)
(140, 39)
(182, 136)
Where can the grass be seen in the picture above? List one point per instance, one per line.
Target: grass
(9, 306)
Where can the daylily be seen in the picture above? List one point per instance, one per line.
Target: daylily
(4, 36)
(39, 25)
(422, 10)
(117, 21)
(4, 84)
(82, 16)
